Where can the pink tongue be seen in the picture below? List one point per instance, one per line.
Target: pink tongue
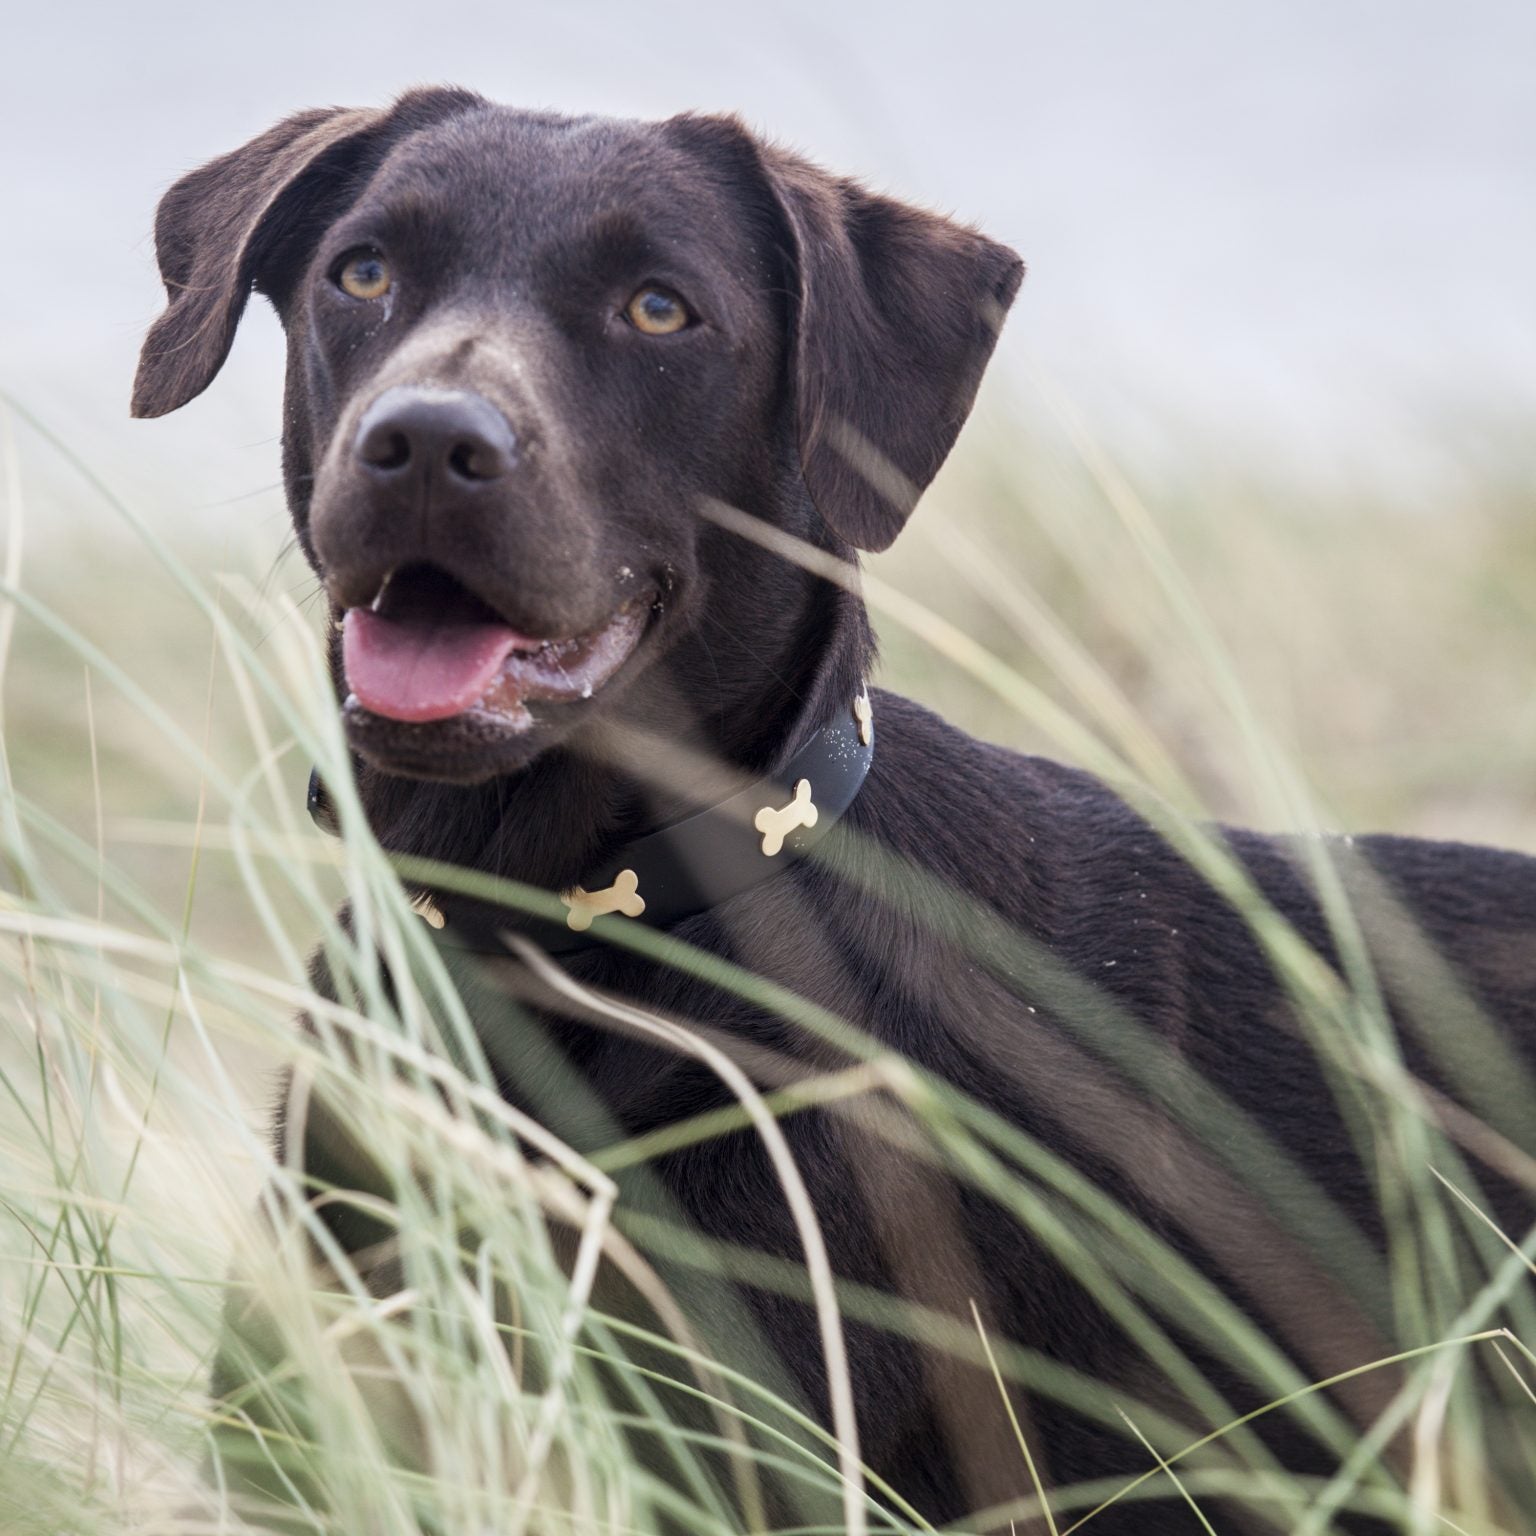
(421, 670)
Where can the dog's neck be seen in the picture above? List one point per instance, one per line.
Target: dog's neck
(723, 706)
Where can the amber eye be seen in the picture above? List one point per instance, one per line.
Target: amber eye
(363, 274)
(657, 312)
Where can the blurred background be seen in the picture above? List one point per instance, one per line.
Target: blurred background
(1279, 300)
(1305, 227)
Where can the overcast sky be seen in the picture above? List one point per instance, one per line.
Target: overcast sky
(1307, 228)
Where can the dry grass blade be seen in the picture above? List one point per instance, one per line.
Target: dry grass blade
(828, 1317)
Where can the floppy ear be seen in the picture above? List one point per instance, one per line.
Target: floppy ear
(219, 229)
(895, 314)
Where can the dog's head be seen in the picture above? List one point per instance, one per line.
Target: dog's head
(525, 349)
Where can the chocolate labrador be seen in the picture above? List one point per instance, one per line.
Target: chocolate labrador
(586, 423)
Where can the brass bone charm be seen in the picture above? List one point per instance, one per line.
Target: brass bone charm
(776, 825)
(622, 896)
(866, 718)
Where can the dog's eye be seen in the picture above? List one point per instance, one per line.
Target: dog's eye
(657, 312)
(363, 274)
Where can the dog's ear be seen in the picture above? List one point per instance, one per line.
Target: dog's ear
(224, 228)
(895, 312)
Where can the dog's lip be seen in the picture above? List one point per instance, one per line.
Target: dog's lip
(422, 670)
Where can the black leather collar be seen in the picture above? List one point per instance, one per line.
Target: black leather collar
(692, 865)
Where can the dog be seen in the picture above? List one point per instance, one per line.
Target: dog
(586, 425)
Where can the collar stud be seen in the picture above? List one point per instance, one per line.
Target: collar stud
(866, 718)
(776, 825)
(623, 896)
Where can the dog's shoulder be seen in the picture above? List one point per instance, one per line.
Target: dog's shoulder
(1040, 843)
(929, 775)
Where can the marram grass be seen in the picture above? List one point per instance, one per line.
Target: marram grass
(161, 891)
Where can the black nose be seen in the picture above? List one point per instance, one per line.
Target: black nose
(413, 431)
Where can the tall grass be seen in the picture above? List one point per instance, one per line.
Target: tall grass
(1299, 664)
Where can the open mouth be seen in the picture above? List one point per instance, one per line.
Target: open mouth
(428, 649)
